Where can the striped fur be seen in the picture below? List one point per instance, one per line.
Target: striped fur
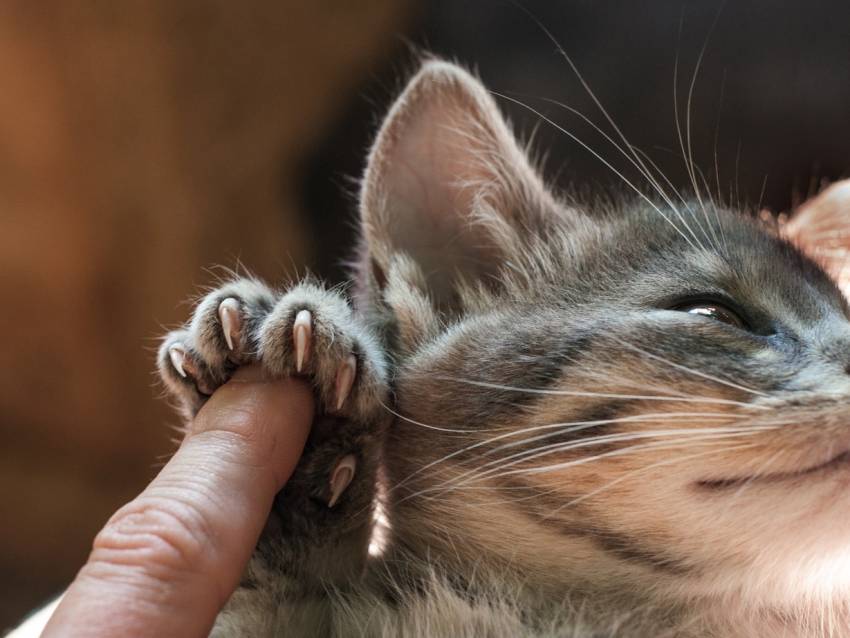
(570, 454)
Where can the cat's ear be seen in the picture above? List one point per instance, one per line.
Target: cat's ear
(821, 227)
(448, 192)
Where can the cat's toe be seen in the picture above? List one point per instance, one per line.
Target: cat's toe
(221, 336)
(313, 332)
(225, 322)
(184, 372)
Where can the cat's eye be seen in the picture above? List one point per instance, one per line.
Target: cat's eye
(713, 311)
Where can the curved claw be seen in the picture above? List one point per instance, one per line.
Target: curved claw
(341, 477)
(178, 357)
(231, 321)
(345, 380)
(302, 331)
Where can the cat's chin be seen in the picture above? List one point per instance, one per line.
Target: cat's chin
(787, 584)
(800, 621)
(787, 599)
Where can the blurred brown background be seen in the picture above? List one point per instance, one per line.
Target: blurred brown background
(142, 142)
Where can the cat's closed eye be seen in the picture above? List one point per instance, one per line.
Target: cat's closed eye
(713, 310)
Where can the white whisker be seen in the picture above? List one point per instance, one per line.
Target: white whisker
(607, 117)
(634, 160)
(652, 466)
(562, 428)
(607, 395)
(598, 156)
(559, 448)
(684, 368)
(496, 474)
(522, 458)
(689, 417)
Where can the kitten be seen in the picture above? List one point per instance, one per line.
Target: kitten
(575, 419)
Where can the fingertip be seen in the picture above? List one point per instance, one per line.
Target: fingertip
(272, 417)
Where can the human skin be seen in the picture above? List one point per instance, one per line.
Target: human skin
(167, 561)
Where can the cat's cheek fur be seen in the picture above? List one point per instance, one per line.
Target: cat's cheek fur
(745, 559)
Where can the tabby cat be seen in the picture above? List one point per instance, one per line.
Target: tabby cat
(544, 416)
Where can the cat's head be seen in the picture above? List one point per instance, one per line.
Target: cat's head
(651, 394)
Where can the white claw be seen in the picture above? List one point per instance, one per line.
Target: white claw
(177, 356)
(341, 477)
(231, 322)
(301, 333)
(345, 379)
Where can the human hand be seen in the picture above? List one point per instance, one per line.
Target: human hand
(167, 561)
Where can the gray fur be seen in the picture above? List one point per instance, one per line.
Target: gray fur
(533, 340)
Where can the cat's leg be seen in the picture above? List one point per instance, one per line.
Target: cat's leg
(317, 536)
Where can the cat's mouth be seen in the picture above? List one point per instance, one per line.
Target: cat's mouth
(834, 463)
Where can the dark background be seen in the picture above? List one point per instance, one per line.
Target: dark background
(772, 96)
(142, 142)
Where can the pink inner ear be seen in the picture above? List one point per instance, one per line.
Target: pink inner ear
(821, 227)
(431, 177)
(445, 172)
(431, 168)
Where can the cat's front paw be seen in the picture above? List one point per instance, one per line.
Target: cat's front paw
(306, 331)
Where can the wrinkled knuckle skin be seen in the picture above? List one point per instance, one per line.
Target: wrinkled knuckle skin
(164, 541)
